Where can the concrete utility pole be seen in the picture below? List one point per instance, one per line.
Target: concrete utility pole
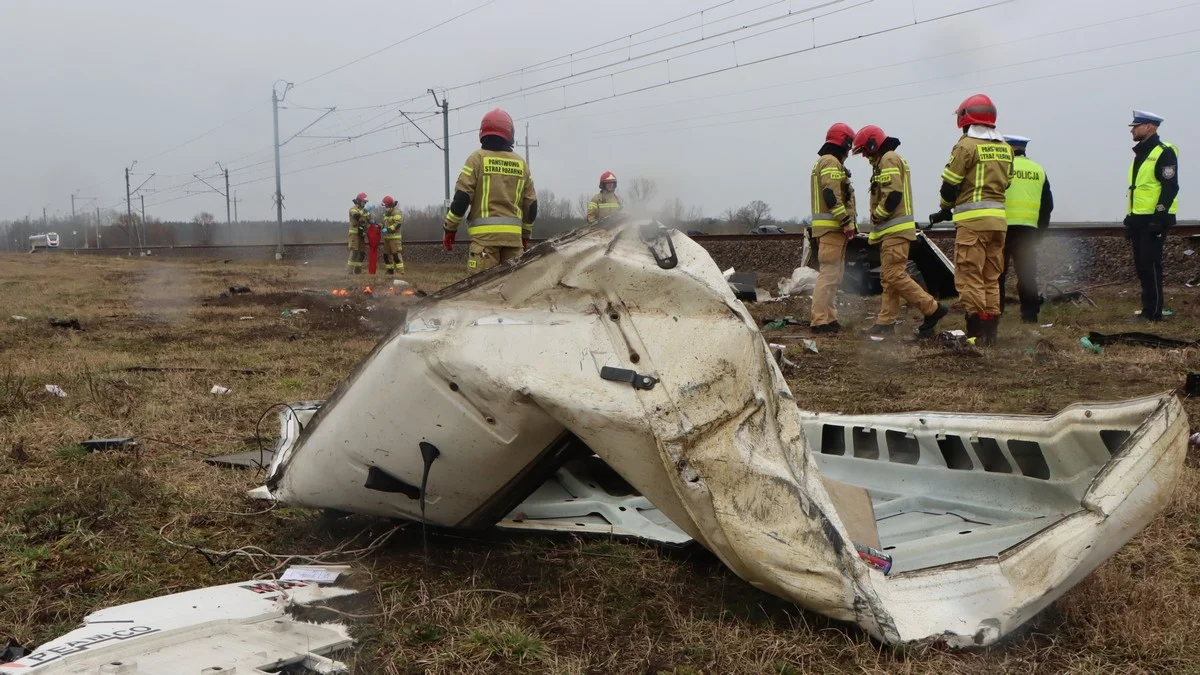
(142, 236)
(97, 227)
(445, 104)
(129, 211)
(43, 220)
(529, 162)
(235, 203)
(275, 99)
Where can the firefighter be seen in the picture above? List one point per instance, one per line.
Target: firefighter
(894, 228)
(1153, 202)
(605, 204)
(391, 221)
(360, 218)
(495, 184)
(972, 195)
(832, 223)
(1027, 206)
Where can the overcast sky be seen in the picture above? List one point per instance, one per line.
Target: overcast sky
(90, 87)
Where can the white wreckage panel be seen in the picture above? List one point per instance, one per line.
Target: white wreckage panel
(239, 628)
(596, 342)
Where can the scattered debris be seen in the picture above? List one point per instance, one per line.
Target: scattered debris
(1189, 252)
(877, 338)
(1090, 346)
(56, 390)
(246, 318)
(1191, 385)
(317, 575)
(101, 444)
(239, 290)
(953, 339)
(1195, 439)
(12, 652)
(744, 285)
(776, 324)
(299, 311)
(18, 453)
(73, 324)
(18, 317)
(1140, 339)
(219, 390)
(1060, 297)
(251, 459)
(803, 280)
(810, 345)
(235, 628)
(1047, 325)
(400, 283)
(286, 314)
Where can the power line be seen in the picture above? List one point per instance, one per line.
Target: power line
(605, 133)
(399, 42)
(551, 85)
(845, 106)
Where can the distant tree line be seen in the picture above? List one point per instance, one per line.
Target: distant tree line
(421, 223)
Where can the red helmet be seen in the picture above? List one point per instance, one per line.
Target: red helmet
(868, 139)
(608, 177)
(977, 109)
(840, 135)
(362, 197)
(497, 123)
(389, 202)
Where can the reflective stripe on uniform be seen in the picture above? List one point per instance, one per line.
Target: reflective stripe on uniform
(487, 196)
(952, 178)
(453, 218)
(517, 201)
(981, 209)
(497, 225)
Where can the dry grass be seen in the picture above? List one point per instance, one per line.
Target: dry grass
(79, 531)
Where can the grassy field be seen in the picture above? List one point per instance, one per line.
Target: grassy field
(80, 531)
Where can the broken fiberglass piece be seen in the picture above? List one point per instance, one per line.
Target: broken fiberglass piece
(246, 627)
(787, 500)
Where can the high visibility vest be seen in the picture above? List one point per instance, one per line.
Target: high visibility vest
(1023, 200)
(1145, 188)
(392, 221)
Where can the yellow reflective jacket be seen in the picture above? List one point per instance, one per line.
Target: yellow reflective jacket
(829, 172)
(392, 220)
(891, 175)
(360, 218)
(982, 170)
(501, 191)
(603, 206)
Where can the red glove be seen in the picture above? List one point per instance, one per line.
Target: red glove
(448, 241)
(525, 244)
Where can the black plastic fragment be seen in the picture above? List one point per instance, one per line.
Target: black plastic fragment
(98, 444)
(382, 481)
(625, 375)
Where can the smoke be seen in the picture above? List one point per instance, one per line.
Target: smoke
(165, 293)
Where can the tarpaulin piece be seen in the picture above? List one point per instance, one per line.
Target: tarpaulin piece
(1140, 339)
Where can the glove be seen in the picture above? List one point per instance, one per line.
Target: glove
(448, 241)
(940, 217)
(525, 244)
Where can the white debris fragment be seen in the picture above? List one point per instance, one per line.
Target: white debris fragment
(876, 338)
(728, 273)
(219, 390)
(1196, 438)
(400, 283)
(246, 318)
(1047, 325)
(320, 575)
(18, 317)
(56, 390)
(803, 280)
(1188, 252)
(299, 311)
(810, 345)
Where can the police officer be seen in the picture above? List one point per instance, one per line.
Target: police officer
(893, 228)
(360, 218)
(606, 203)
(973, 187)
(1027, 206)
(832, 223)
(1153, 202)
(495, 184)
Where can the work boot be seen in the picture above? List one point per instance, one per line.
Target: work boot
(829, 328)
(1029, 318)
(880, 329)
(989, 325)
(975, 328)
(930, 323)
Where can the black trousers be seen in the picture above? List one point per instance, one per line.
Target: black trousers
(1021, 253)
(1148, 261)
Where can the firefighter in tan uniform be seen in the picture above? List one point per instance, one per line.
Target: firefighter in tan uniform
(893, 228)
(497, 188)
(606, 204)
(391, 222)
(973, 194)
(360, 218)
(832, 223)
